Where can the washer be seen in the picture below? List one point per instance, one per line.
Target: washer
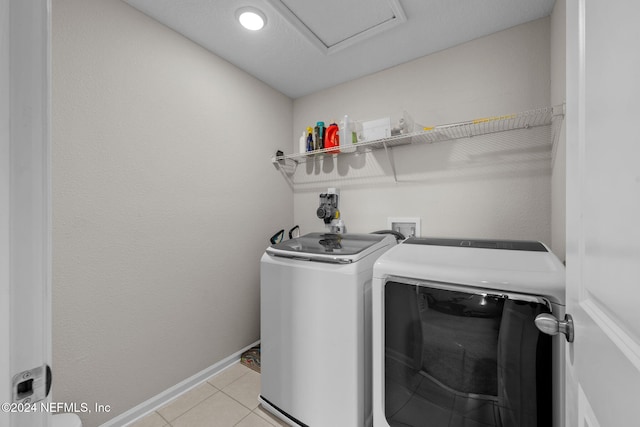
(454, 339)
(316, 328)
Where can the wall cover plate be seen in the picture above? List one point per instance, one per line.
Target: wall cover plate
(410, 227)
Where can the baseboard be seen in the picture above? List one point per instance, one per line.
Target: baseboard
(148, 406)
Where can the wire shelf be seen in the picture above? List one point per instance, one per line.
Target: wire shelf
(545, 116)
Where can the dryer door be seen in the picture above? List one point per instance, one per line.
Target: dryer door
(461, 356)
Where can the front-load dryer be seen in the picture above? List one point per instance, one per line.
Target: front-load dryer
(454, 339)
(315, 304)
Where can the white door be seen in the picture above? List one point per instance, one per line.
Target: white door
(603, 212)
(25, 291)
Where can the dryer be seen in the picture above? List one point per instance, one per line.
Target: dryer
(315, 294)
(454, 339)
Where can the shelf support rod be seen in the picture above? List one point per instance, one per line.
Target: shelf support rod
(280, 163)
(391, 162)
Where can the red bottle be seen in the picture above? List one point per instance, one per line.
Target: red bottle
(332, 138)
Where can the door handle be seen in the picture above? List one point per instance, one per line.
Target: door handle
(548, 324)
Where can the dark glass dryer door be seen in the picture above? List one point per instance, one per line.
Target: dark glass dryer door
(462, 357)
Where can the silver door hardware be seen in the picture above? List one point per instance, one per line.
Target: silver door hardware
(548, 324)
(31, 386)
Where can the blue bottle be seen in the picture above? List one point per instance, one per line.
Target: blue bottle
(310, 146)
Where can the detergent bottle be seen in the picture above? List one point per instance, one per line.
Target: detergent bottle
(332, 139)
(318, 133)
(310, 144)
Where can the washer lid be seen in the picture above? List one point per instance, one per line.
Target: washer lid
(344, 246)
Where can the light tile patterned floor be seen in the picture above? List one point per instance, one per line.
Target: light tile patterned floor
(224, 400)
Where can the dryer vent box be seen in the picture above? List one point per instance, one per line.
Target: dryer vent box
(409, 227)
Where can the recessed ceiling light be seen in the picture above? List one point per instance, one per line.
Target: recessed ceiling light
(251, 18)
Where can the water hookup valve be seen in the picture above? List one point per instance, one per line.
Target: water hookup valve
(328, 207)
(328, 211)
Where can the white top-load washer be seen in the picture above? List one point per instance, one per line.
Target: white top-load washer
(315, 304)
(454, 339)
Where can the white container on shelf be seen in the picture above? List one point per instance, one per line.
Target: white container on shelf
(347, 135)
(376, 129)
(303, 143)
(397, 124)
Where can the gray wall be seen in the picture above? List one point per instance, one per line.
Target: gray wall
(496, 187)
(163, 201)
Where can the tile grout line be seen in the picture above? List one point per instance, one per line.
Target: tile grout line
(166, 420)
(236, 400)
(251, 411)
(246, 373)
(169, 422)
(243, 418)
(217, 390)
(220, 389)
(192, 408)
(265, 419)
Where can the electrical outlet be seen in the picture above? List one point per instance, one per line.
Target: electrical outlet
(409, 227)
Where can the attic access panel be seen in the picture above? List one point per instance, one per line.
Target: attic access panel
(332, 25)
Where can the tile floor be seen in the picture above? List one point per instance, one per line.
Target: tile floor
(227, 399)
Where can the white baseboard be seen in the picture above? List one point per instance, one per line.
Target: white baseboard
(171, 393)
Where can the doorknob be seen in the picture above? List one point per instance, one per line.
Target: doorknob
(548, 324)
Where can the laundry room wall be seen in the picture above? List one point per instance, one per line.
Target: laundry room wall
(496, 186)
(163, 202)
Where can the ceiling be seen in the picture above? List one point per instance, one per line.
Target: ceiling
(308, 45)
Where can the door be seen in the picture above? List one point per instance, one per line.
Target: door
(25, 296)
(603, 212)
